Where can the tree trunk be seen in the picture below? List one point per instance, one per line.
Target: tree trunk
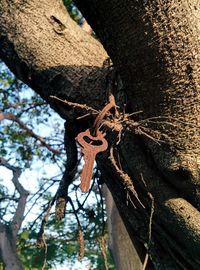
(8, 232)
(124, 253)
(154, 46)
(8, 249)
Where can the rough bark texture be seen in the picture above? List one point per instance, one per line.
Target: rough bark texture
(157, 43)
(154, 46)
(46, 49)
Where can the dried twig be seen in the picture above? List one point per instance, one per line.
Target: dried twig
(111, 104)
(103, 247)
(166, 121)
(81, 244)
(125, 178)
(80, 232)
(150, 231)
(41, 241)
(76, 105)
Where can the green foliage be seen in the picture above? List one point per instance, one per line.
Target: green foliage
(61, 239)
(73, 11)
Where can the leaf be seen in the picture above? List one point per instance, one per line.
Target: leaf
(24, 235)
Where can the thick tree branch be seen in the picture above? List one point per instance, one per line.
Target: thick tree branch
(19, 213)
(45, 48)
(8, 233)
(157, 43)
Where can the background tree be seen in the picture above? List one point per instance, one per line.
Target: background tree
(152, 165)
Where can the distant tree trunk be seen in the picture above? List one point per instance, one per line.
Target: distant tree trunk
(8, 250)
(124, 253)
(154, 46)
(8, 232)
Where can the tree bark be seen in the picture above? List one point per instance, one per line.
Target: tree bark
(125, 255)
(154, 46)
(8, 250)
(8, 232)
(47, 50)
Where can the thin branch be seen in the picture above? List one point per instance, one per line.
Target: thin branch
(165, 118)
(76, 105)
(8, 198)
(21, 104)
(102, 210)
(127, 182)
(19, 213)
(80, 232)
(41, 240)
(38, 197)
(81, 205)
(103, 247)
(150, 230)
(12, 117)
(38, 218)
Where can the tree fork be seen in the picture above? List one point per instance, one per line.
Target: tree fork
(155, 49)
